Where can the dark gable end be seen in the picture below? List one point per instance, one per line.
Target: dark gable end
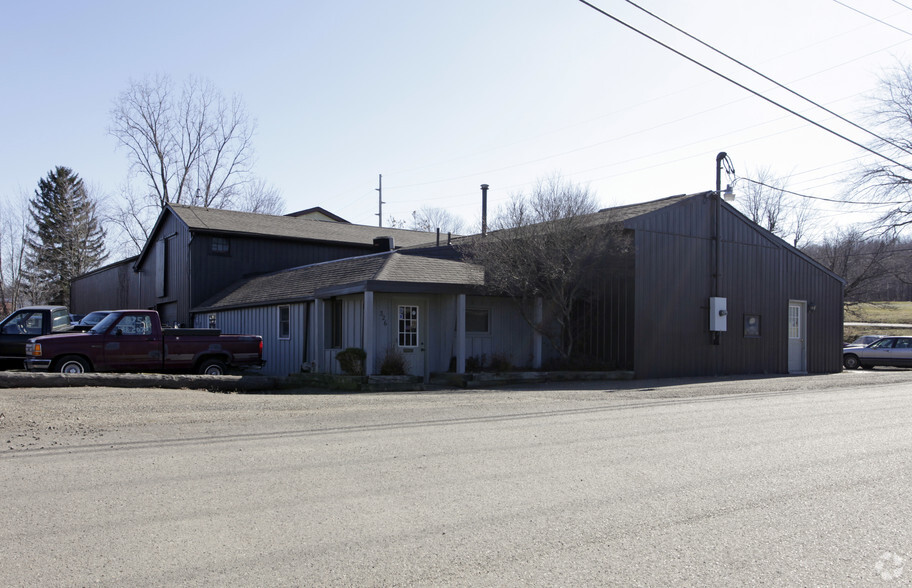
(155, 234)
(688, 216)
(759, 275)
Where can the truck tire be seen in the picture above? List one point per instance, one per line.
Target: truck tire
(212, 367)
(72, 364)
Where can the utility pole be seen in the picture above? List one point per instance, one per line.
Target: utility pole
(379, 190)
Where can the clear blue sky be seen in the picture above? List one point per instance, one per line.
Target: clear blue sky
(441, 97)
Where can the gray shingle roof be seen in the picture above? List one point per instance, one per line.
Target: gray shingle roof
(417, 266)
(248, 223)
(303, 282)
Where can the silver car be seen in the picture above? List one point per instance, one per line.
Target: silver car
(889, 351)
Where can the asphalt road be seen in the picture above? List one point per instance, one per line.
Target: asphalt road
(780, 481)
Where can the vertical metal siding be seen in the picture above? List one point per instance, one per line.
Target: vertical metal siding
(758, 275)
(283, 356)
(509, 335)
(112, 288)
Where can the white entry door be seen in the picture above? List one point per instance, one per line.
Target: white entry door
(410, 336)
(797, 336)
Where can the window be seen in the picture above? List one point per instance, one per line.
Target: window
(132, 324)
(219, 246)
(794, 326)
(284, 322)
(60, 319)
(752, 325)
(408, 326)
(24, 323)
(477, 320)
(211, 321)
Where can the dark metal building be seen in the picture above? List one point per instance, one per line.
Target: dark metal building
(696, 290)
(194, 252)
(684, 303)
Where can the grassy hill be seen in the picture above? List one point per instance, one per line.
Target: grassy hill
(878, 312)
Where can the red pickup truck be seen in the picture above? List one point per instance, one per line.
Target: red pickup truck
(134, 341)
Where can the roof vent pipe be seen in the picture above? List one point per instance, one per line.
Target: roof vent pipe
(484, 210)
(438, 236)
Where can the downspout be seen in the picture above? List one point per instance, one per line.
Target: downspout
(717, 217)
(717, 237)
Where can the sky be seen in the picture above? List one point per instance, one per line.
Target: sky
(441, 97)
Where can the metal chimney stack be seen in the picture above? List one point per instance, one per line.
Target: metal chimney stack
(484, 210)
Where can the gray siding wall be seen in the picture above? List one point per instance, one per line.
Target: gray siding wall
(509, 335)
(283, 356)
(352, 331)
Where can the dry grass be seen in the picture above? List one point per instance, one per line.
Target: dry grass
(877, 312)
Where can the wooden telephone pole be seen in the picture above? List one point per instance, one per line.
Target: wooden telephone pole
(379, 190)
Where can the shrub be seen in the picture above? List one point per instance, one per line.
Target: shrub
(475, 363)
(394, 363)
(351, 360)
(500, 362)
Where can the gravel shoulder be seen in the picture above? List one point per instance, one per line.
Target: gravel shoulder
(59, 417)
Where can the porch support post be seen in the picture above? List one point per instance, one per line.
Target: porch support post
(536, 335)
(368, 333)
(316, 328)
(460, 333)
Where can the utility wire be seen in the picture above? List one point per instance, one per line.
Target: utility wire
(901, 4)
(743, 87)
(874, 18)
(865, 203)
(769, 79)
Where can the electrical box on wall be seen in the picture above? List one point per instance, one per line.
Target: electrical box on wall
(718, 314)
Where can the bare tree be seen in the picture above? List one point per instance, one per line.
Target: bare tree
(13, 235)
(547, 245)
(262, 198)
(886, 181)
(863, 262)
(191, 146)
(430, 219)
(764, 199)
(394, 223)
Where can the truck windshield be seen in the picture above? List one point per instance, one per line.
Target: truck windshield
(103, 325)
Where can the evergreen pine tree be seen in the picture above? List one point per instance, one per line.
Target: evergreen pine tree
(65, 239)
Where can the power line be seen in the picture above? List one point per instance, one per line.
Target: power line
(777, 188)
(767, 78)
(874, 18)
(743, 87)
(901, 4)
